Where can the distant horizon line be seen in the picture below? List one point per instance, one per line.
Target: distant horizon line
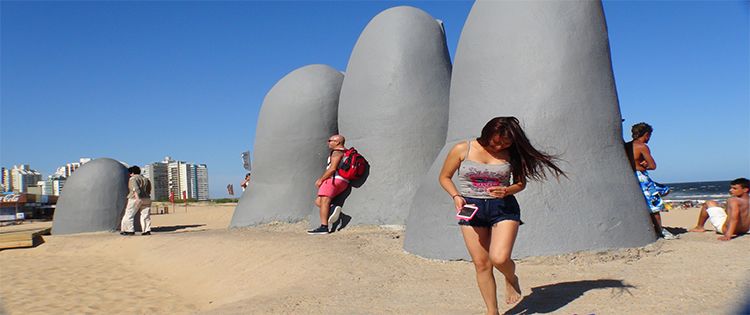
(702, 181)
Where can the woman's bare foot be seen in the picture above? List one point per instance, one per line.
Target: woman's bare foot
(512, 290)
(697, 229)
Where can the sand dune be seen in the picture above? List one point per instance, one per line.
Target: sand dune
(192, 264)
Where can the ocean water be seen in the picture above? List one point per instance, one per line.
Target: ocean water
(698, 191)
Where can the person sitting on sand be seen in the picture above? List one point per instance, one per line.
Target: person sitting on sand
(641, 161)
(330, 185)
(735, 220)
(485, 167)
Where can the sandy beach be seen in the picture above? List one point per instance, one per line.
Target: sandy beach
(192, 264)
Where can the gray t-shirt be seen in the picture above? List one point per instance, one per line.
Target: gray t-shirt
(474, 178)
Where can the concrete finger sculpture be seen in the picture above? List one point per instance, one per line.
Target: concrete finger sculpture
(93, 198)
(298, 115)
(547, 63)
(393, 109)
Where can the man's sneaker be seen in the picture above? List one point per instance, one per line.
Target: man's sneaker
(667, 235)
(146, 233)
(320, 230)
(127, 233)
(334, 215)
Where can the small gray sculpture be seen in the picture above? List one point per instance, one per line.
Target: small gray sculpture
(93, 198)
(298, 115)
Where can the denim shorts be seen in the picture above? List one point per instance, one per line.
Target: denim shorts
(492, 211)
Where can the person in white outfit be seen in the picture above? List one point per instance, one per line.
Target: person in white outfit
(139, 199)
(733, 221)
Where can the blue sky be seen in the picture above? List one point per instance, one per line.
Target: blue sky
(137, 81)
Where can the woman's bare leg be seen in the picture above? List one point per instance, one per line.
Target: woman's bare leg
(477, 241)
(501, 247)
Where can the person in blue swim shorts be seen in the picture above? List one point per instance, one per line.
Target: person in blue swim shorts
(642, 161)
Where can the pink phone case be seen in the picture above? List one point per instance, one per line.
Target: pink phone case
(461, 217)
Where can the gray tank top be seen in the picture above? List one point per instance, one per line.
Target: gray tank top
(474, 178)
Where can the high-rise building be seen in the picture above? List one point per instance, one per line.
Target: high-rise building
(57, 185)
(184, 179)
(45, 186)
(52, 186)
(187, 180)
(7, 180)
(173, 179)
(54, 183)
(69, 168)
(201, 175)
(158, 174)
(23, 176)
(60, 172)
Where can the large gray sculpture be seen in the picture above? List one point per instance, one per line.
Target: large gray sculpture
(394, 109)
(93, 198)
(547, 63)
(298, 115)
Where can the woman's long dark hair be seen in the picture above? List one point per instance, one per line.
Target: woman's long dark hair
(525, 160)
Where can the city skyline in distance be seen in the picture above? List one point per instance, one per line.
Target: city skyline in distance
(184, 178)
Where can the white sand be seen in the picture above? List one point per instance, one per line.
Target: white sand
(192, 264)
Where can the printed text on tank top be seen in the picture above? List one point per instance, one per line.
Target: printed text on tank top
(474, 178)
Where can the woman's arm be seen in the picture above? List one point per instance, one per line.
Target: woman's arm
(503, 191)
(451, 164)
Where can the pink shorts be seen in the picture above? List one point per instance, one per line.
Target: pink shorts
(332, 188)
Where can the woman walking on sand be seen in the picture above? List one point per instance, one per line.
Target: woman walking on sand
(485, 168)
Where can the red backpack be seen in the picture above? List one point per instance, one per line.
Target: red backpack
(353, 166)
